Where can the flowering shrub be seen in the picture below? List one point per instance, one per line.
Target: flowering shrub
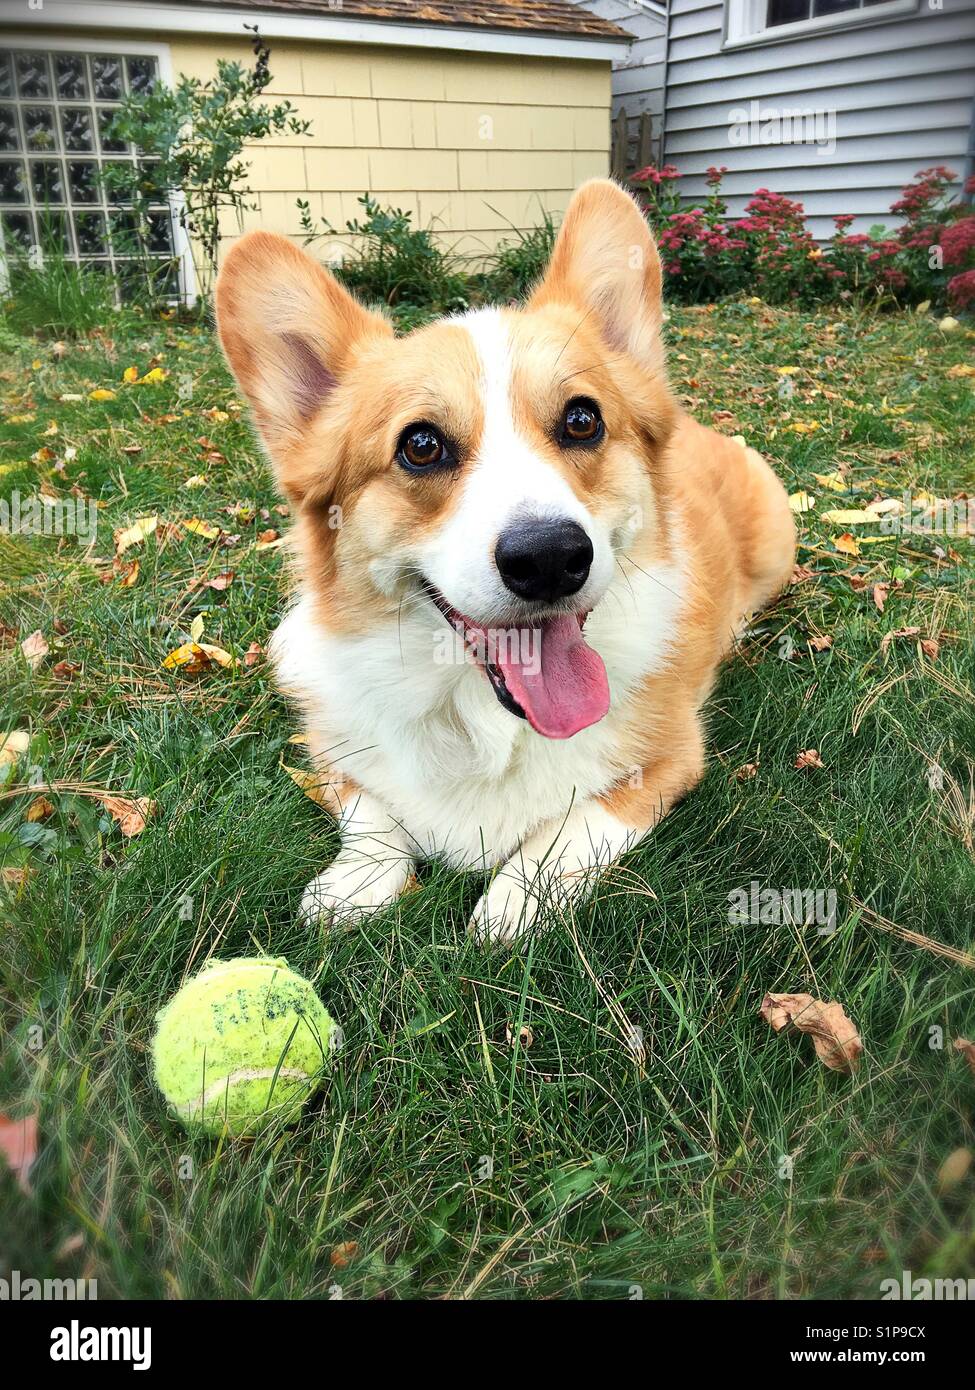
(706, 253)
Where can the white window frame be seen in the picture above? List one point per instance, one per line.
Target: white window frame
(41, 42)
(745, 21)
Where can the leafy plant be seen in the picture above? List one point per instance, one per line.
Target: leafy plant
(392, 262)
(519, 263)
(191, 138)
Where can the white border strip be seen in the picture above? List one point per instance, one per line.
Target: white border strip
(163, 19)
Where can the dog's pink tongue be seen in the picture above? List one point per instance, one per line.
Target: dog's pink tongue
(561, 684)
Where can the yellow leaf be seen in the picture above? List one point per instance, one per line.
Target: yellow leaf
(787, 371)
(36, 365)
(854, 517)
(152, 377)
(101, 394)
(202, 528)
(194, 657)
(197, 480)
(132, 535)
(196, 628)
(320, 792)
(876, 540)
(13, 746)
(51, 430)
(833, 481)
(846, 545)
(801, 427)
(27, 419)
(801, 502)
(130, 374)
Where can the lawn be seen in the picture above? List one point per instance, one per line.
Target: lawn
(489, 1129)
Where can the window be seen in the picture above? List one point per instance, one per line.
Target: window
(750, 22)
(55, 109)
(791, 11)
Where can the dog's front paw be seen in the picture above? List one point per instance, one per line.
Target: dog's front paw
(352, 887)
(506, 911)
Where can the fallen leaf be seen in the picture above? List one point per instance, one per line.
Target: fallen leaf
(342, 1255)
(809, 757)
(18, 1146)
(130, 813)
(880, 592)
(802, 427)
(131, 449)
(101, 395)
(130, 374)
(821, 643)
(954, 1169)
(967, 1050)
(193, 657)
(801, 502)
(66, 670)
(39, 809)
(961, 369)
(202, 528)
(835, 1038)
(253, 654)
(13, 746)
(197, 480)
(322, 793)
(152, 377)
(845, 544)
(35, 649)
(132, 535)
(930, 646)
(835, 482)
(14, 878)
(127, 573)
(850, 517)
(525, 1036)
(891, 636)
(746, 772)
(800, 573)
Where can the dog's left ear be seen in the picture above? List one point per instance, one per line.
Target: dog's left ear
(605, 261)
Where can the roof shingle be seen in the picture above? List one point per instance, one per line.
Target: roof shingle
(561, 17)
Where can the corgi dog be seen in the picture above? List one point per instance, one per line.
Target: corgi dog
(518, 564)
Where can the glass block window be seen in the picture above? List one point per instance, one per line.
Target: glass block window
(55, 109)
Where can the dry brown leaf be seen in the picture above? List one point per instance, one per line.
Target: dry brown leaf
(343, 1255)
(809, 757)
(18, 1146)
(525, 1036)
(846, 544)
(253, 654)
(129, 812)
(821, 643)
(66, 670)
(835, 1038)
(126, 572)
(746, 772)
(954, 1169)
(889, 637)
(930, 646)
(39, 809)
(967, 1050)
(14, 877)
(35, 649)
(880, 592)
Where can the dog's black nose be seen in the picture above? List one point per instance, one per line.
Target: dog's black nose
(543, 559)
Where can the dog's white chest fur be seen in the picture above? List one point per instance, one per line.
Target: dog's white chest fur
(423, 732)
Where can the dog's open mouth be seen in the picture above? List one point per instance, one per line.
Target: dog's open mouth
(545, 673)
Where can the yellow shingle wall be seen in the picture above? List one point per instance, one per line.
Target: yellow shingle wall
(469, 143)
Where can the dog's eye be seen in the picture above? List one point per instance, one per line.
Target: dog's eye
(581, 423)
(421, 447)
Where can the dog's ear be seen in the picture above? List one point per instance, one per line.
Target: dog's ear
(288, 330)
(605, 262)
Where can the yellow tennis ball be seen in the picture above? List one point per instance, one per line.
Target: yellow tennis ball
(242, 1044)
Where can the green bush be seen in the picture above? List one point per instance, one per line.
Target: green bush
(56, 298)
(519, 264)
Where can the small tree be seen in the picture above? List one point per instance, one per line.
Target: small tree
(190, 141)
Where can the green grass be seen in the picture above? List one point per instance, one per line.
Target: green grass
(604, 1173)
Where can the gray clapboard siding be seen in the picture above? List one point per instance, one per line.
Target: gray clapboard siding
(638, 77)
(902, 90)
